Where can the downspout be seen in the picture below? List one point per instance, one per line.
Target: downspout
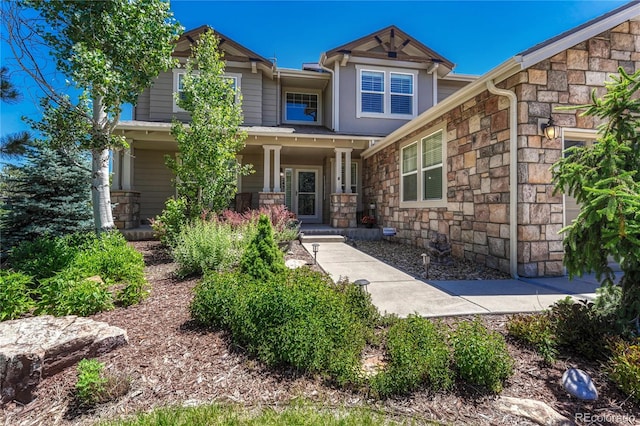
(278, 100)
(513, 174)
(334, 98)
(433, 70)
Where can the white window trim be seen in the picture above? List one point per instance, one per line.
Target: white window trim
(421, 202)
(318, 93)
(387, 92)
(177, 72)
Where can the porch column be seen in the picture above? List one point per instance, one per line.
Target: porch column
(127, 169)
(338, 171)
(266, 187)
(347, 171)
(276, 168)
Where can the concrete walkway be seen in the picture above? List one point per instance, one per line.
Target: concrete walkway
(394, 291)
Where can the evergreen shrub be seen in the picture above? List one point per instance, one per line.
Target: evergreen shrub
(262, 258)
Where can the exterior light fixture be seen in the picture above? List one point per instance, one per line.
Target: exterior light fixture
(315, 246)
(550, 130)
(362, 284)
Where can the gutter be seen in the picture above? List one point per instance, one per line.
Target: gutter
(513, 174)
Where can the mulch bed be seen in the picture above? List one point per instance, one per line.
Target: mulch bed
(170, 361)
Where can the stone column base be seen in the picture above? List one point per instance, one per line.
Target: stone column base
(269, 199)
(342, 210)
(126, 210)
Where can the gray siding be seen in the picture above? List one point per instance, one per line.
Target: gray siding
(327, 103)
(350, 124)
(153, 179)
(251, 86)
(141, 110)
(269, 102)
(447, 88)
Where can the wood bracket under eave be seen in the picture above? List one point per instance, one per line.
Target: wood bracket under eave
(254, 67)
(345, 59)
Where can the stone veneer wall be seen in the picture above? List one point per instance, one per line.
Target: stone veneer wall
(268, 199)
(342, 210)
(476, 218)
(126, 212)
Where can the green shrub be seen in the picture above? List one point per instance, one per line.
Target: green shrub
(209, 246)
(95, 386)
(624, 368)
(359, 302)
(418, 354)
(61, 295)
(285, 225)
(262, 258)
(15, 292)
(581, 330)
(536, 330)
(296, 318)
(481, 355)
(169, 224)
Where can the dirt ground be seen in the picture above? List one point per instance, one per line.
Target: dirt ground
(170, 361)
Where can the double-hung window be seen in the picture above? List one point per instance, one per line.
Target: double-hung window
(302, 107)
(178, 85)
(384, 93)
(422, 170)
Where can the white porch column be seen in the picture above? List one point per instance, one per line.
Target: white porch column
(267, 168)
(127, 169)
(347, 171)
(338, 171)
(116, 183)
(276, 168)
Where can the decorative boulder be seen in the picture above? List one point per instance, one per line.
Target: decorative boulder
(37, 347)
(579, 384)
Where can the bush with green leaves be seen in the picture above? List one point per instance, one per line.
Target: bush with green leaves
(262, 258)
(15, 298)
(296, 318)
(623, 367)
(168, 225)
(580, 329)
(481, 356)
(95, 385)
(61, 295)
(210, 246)
(418, 354)
(537, 331)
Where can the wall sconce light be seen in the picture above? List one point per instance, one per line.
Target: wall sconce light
(281, 173)
(315, 246)
(550, 130)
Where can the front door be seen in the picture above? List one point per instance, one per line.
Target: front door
(306, 204)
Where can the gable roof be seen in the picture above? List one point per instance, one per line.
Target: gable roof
(390, 43)
(233, 51)
(519, 62)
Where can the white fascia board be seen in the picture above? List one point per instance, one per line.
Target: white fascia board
(499, 73)
(579, 36)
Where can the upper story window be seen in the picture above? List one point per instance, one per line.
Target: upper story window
(422, 171)
(178, 85)
(386, 93)
(302, 107)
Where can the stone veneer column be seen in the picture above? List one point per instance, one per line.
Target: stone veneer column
(126, 212)
(342, 210)
(269, 199)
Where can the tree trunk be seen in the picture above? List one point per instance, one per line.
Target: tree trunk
(100, 188)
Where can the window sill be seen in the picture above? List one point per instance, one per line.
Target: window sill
(431, 204)
(382, 115)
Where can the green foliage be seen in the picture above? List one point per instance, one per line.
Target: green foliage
(285, 225)
(207, 172)
(623, 368)
(580, 329)
(481, 356)
(296, 318)
(418, 354)
(47, 194)
(61, 296)
(15, 292)
(168, 225)
(537, 331)
(95, 385)
(359, 302)
(262, 259)
(210, 246)
(604, 178)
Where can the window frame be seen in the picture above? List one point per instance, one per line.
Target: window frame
(420, 169)
(387, 92)
(317, 93)
(179, 72)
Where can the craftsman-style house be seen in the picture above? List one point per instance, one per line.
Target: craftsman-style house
(383, 120)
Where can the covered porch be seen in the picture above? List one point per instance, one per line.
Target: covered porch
(317, 174)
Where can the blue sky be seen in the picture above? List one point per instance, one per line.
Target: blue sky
(475, 35)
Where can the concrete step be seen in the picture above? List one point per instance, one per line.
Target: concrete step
(304, 238)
